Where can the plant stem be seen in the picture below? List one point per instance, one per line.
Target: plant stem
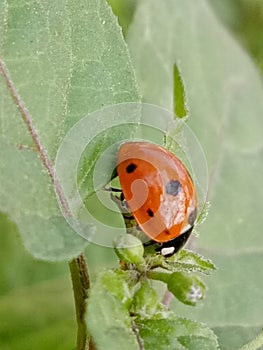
(254, 344)
(81, 285)
(136, 332)
(167, 298)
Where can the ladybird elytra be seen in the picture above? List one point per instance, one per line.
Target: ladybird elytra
(158, 189)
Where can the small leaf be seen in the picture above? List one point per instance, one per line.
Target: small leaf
(176, 333)
(189, 261)
(186, 288)
(146, 304)
(183, 261)
(129, 249)
(117, 283)
(180, 105)
(108, 321)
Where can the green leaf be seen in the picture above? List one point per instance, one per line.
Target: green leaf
(185, 287)
(198, 342)
(124, 11)
(33, 206)
(184, 261)
(129, 249)
(177, 333)
(189, 261)
(66, 59)
(180, 105)
(146, 303)
(225, 98)
(117, 283)
(108, 321)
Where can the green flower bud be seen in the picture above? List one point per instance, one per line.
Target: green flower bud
(129, 249)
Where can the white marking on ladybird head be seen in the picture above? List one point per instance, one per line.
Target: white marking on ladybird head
(167, 251)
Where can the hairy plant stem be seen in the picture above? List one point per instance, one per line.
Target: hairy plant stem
(254, 344)
(81, 285)
(136, 332)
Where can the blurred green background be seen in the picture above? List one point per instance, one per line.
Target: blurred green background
(36, 300)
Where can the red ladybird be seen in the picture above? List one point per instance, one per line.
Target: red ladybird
(159, 192)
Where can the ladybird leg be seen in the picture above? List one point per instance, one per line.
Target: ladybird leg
(121, 203)
(112, 189)
(126, 214)
(121, 198)
(123, 206)
(115, 199)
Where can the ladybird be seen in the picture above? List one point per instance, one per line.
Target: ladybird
(159, 192)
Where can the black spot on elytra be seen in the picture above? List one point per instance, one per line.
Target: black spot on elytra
(130, 168)
(173, 187)
(150, 212)
(192, 217)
